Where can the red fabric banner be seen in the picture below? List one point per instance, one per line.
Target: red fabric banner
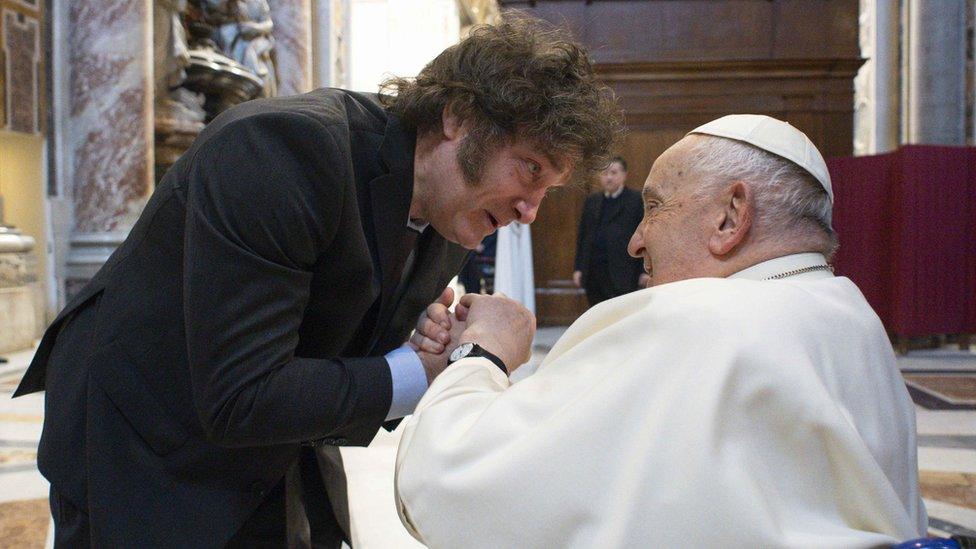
(907, 227)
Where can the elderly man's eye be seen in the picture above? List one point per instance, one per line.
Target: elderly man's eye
(534, 168)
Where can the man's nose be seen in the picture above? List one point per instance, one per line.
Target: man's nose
(636, 245)
(527, 208)
(526, 211)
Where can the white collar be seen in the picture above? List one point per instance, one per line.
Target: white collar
(785, 264)
(418, 225)
(615, 194)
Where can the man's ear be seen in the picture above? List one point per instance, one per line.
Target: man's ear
(734, 220)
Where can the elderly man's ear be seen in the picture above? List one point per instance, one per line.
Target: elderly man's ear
(733, 218)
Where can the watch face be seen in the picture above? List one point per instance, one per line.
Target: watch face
(462, 351)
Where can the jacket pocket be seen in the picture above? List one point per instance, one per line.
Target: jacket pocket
(114, 371)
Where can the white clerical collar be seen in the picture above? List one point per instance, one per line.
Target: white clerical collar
(418, 225)
(614, 194)
(779, 266)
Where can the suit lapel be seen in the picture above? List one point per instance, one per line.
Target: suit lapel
(427, 269)
(390, 196)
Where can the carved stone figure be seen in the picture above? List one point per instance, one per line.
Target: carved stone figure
(243, 32)
(179, 112)
(171, 57)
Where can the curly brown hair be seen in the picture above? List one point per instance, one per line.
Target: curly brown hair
(521, 79)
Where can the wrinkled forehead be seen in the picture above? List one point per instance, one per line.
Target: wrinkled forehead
(671, 168)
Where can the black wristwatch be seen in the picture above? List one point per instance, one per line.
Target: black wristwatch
(467, 350)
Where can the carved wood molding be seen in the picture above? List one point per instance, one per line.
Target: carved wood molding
(22, 78)
(729, 70)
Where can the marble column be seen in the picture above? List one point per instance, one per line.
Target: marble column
(108, 126)
(293, 45)
(330, 43)
(876, 87)
(936, 57)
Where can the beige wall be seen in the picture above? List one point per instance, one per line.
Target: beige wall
(22, 187)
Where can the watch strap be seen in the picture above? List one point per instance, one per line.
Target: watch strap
(479, 351)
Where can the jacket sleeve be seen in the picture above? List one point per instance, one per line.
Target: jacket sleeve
(264, 198)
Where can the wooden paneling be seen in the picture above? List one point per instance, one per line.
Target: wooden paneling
(676, 64)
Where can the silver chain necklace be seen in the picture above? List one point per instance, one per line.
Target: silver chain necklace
(794, 272)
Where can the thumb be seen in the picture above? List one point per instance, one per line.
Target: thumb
(447, 297)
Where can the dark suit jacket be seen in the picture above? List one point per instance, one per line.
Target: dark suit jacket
(232, 325)
(624, 216)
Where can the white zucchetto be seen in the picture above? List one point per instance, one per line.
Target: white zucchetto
(775, 136)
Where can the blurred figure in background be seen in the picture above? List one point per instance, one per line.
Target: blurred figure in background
(610, 216)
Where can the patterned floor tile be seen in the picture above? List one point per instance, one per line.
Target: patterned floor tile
(24, 524)
(949, 487)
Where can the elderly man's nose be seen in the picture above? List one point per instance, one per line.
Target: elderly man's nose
(636, 245)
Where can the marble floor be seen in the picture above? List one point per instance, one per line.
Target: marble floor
(942, 382)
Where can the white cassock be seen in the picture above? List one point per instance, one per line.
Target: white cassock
(513, 264)
(709, 412)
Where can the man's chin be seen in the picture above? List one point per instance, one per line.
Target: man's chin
(469, 242)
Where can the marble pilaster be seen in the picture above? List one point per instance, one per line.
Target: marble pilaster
(293, 45)
(936, 58)
(330, 43)
(876, 87)
(108, 126)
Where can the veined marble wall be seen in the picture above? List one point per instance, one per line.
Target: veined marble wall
(104, 120)
(107, 127)
(111, 112)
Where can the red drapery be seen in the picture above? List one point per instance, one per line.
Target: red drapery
(907, 227)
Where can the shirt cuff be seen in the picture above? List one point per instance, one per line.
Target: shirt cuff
(409, 381)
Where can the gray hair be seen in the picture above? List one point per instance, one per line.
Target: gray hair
(788, 198)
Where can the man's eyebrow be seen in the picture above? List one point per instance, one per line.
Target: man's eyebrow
(648, 194)
(555, 161)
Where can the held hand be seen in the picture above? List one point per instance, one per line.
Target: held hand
(434, 363)
(578, 279)
(501, 326)
(434, 325)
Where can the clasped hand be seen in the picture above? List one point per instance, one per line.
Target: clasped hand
(500, 325)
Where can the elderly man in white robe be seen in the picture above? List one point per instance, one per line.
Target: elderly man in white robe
(748, 398)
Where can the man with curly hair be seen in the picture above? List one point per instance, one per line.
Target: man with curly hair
(252, 322)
